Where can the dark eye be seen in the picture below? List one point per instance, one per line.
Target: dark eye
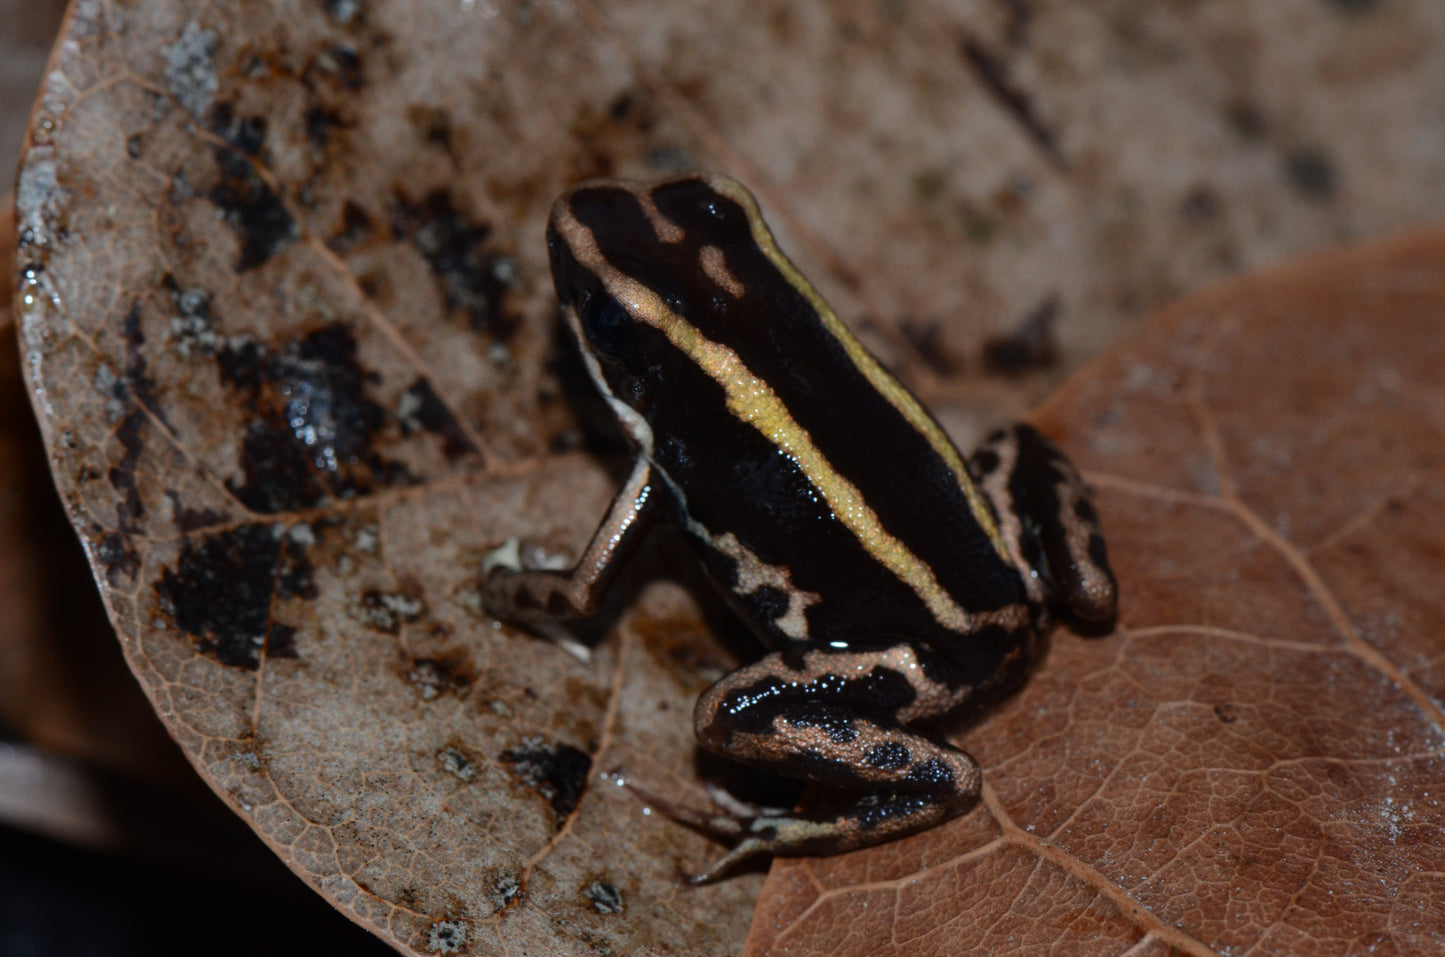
(608, 327)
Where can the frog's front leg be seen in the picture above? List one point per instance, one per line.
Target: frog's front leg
(539, 597)
(837, 718)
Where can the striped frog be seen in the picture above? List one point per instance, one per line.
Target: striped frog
(892, 580)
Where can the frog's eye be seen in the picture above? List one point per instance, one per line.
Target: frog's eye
(608, 327)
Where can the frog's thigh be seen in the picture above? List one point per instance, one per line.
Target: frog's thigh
(541, 596)
(837, 719)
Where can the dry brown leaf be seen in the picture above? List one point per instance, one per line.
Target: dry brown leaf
(287, 325)
(242, 398)
(63, 682)
(1252, 763)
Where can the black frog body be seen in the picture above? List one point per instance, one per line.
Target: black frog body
(892, 580)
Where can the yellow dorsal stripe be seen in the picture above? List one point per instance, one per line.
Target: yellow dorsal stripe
(880, 378)
(754, 401)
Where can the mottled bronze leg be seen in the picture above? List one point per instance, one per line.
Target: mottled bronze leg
(836, 719)
(539, 597)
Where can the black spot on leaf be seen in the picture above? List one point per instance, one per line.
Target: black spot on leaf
(245, 133)
(472, 277)
(192, 519)
(221, 591)
(319, 123)
(312, 439)
(340, 64)
(250, 207)
(557, 772)
(131, 435)
(137, 378)
(119, 559)
(1032, 346)
(282, 641)
(421, 409)
(356, 229)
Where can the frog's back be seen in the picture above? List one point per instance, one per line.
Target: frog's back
(830, 500)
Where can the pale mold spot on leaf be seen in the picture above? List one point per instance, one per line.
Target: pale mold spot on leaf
(191, 70)
(41, 128)
(486, 9)
(39, 200)
(505, 891)
(192, 329)
(448, 936)
(441, 674)
(388, 611)
(368, 539)
(117, 396)
(469, 599)
(605, 898)
(457, 764)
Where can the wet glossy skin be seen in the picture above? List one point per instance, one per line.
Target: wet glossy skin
(893, 581)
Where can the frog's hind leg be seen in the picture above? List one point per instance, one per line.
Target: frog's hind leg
(836, 718)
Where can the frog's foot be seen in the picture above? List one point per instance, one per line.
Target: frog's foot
(719, 826)
(871, 819)
(1018, 469)
(728, 828)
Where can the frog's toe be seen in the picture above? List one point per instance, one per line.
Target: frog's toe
(744, 850)
(782, 835)
(722, 827)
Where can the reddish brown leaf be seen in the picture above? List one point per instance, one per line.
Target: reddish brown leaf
(1252, 762)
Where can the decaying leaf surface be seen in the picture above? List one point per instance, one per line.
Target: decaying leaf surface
(286, 323)
(84, 710)
(1252, 762)
(286, 370)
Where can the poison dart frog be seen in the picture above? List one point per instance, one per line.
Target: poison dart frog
(891, 579)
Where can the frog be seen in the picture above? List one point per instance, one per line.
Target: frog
(889, 579)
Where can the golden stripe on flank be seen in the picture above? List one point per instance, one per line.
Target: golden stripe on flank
(754, 401)
(879, 377)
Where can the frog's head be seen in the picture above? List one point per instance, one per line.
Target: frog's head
(641, 270)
